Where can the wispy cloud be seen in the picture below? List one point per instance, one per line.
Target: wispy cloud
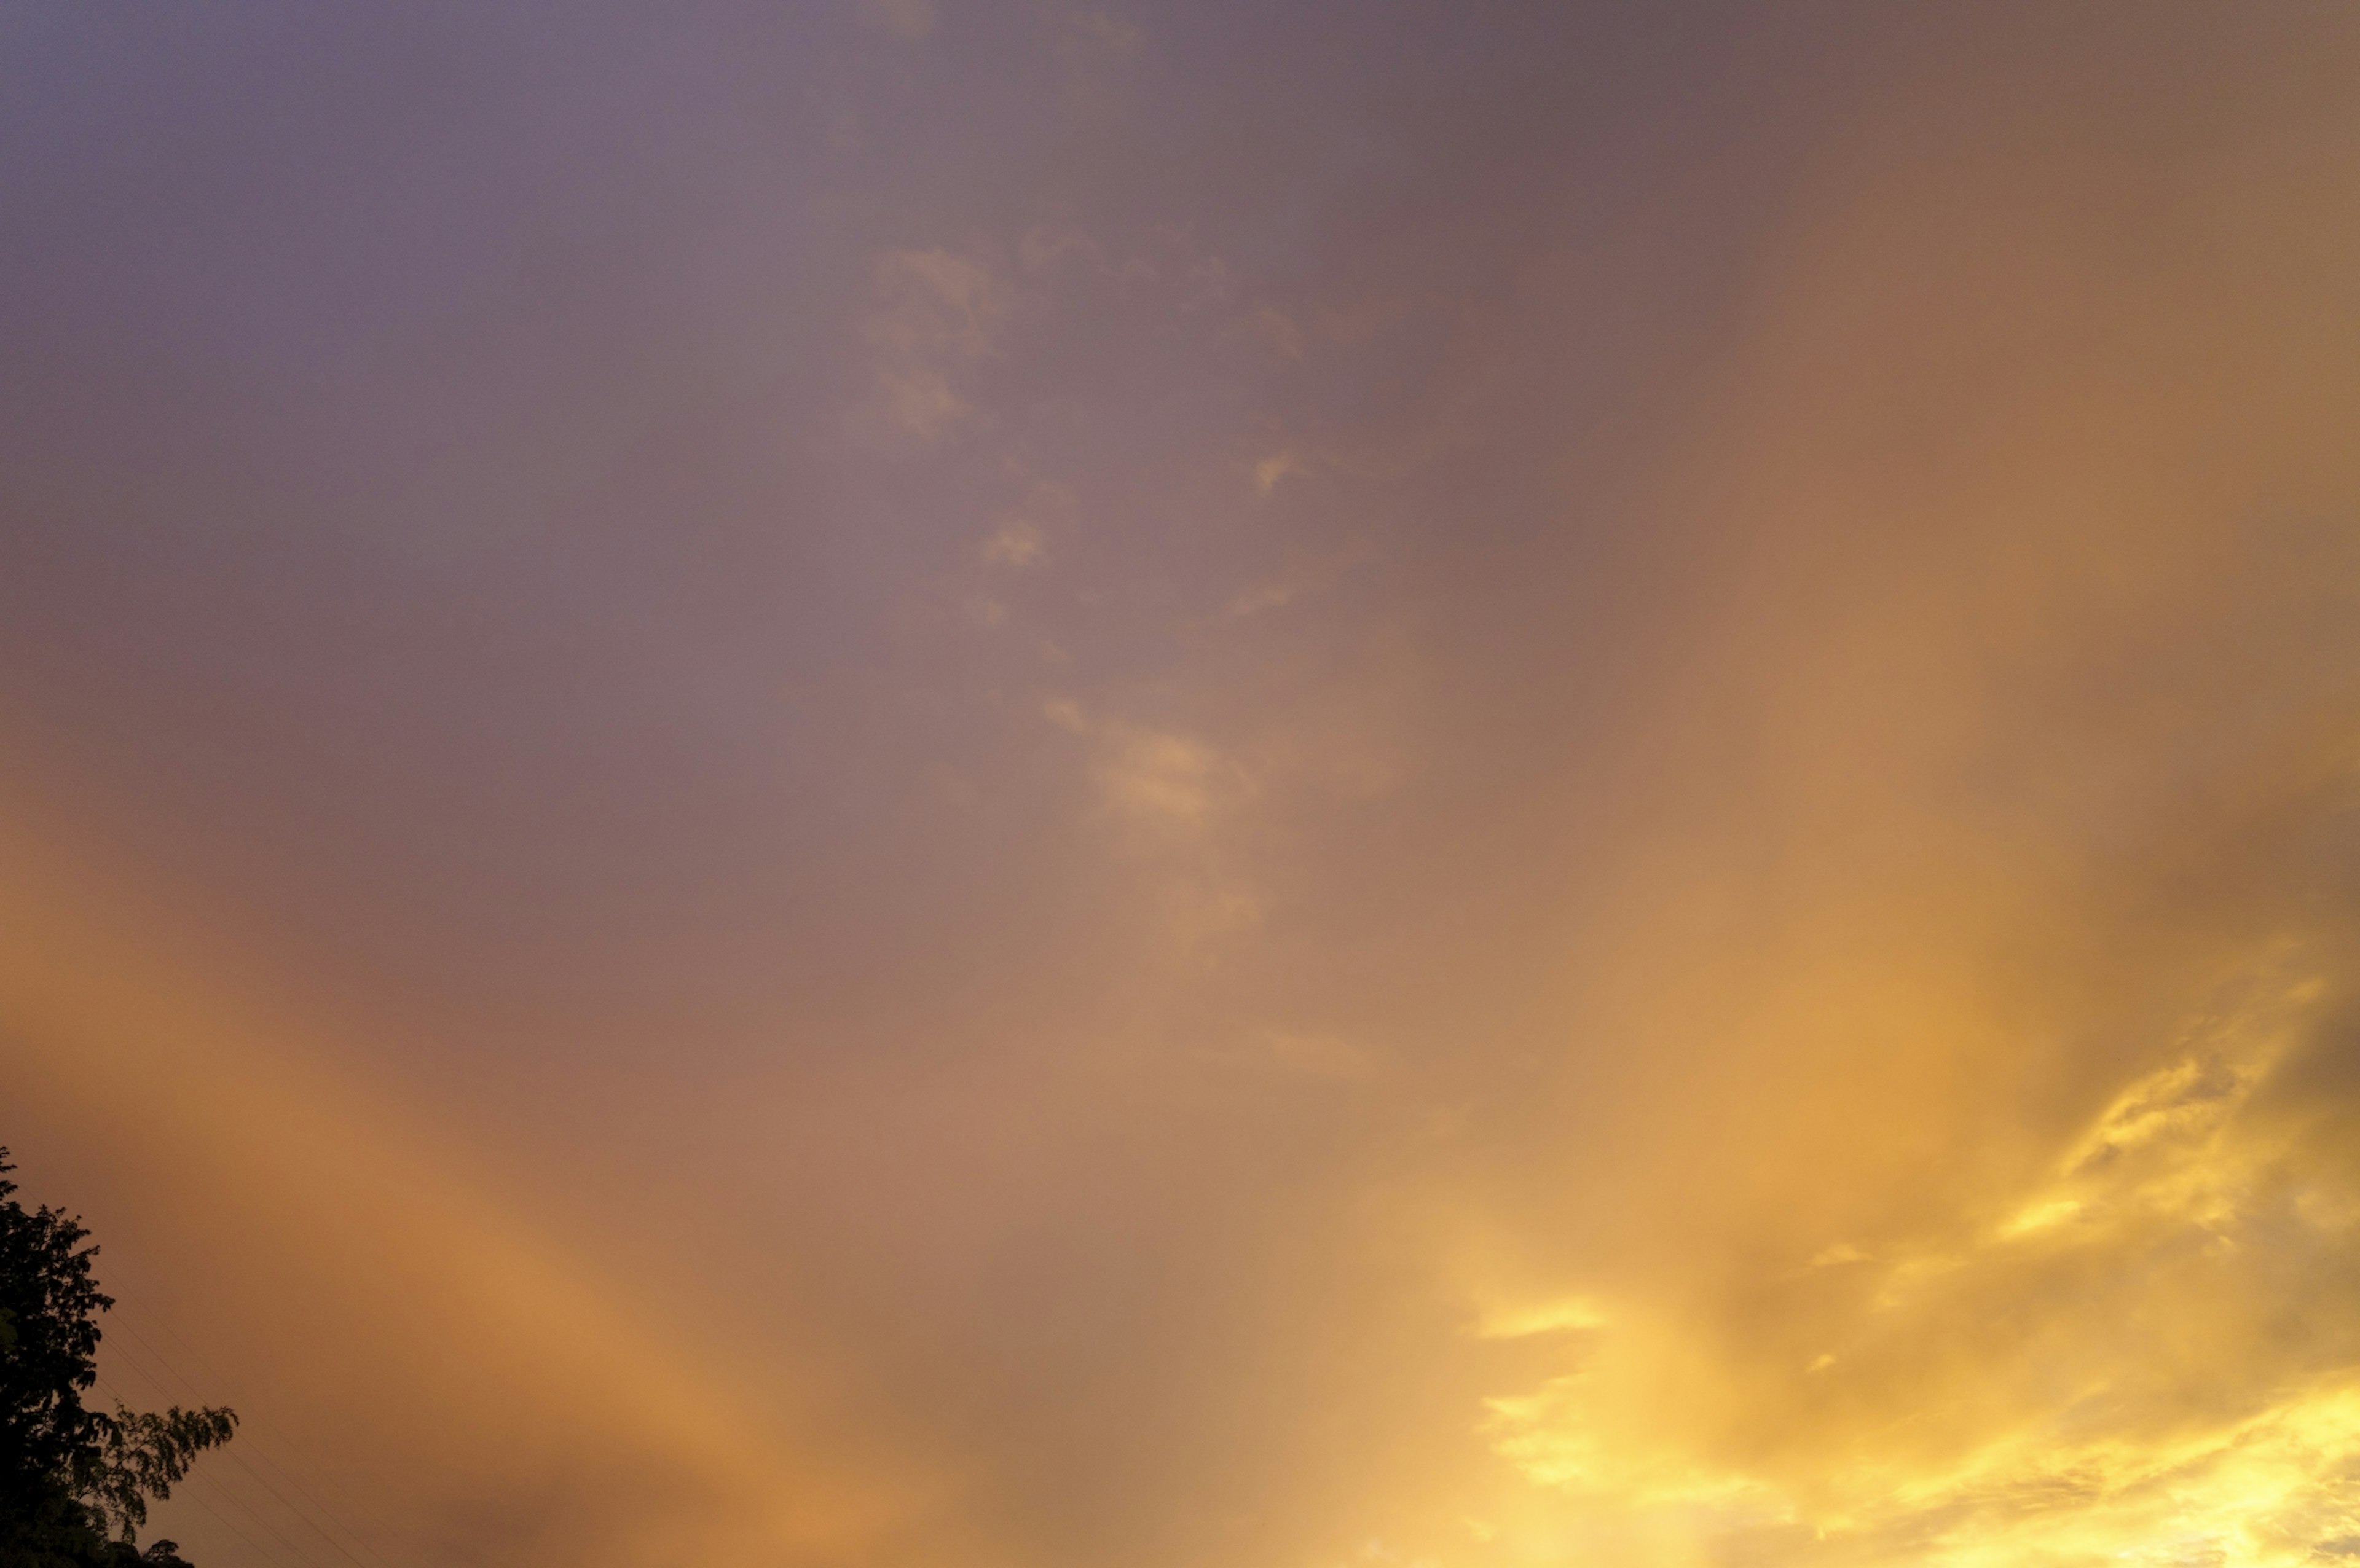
(932, 315)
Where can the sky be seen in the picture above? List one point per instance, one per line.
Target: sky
(1054, 784)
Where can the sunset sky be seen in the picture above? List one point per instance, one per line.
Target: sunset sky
(1195, 783)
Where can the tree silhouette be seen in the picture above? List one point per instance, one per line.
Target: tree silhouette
(74, 1482)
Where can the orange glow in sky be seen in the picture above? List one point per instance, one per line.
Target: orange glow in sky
(1055, 785)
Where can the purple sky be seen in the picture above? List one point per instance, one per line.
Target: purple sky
(1413, 786)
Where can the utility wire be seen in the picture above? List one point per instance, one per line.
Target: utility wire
(226, 1523)
(264, 1481)
(221, 1518)
(213, 1481)
(252, 1512)
(164, 1324)
(257, 1450)
(260, 1520)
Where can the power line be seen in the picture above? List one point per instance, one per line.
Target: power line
(220, 1518)
(227, 1496)
(301, 1561)
(239, 1457)
(253, 1545)
(411, 1548)
(163, 1323)
(251, 1511)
